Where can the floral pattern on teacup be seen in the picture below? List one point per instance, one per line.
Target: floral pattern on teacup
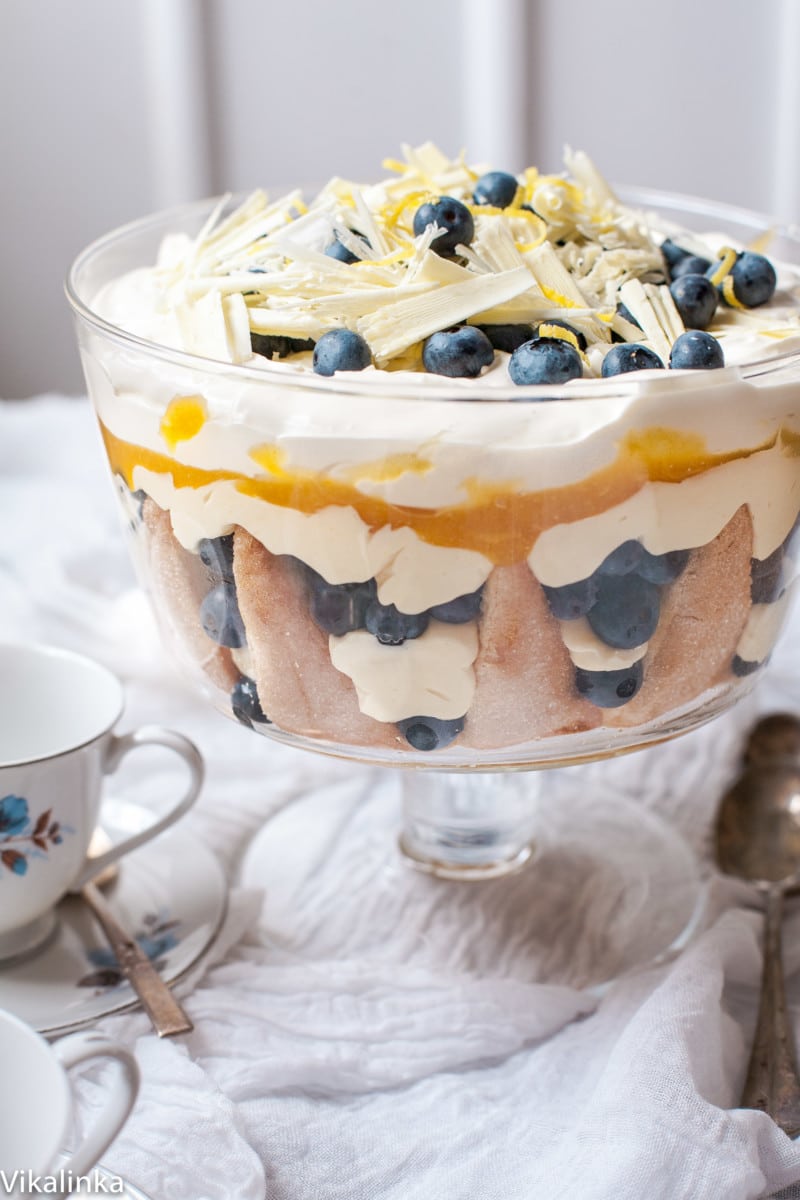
(20, 838)
(156, 939)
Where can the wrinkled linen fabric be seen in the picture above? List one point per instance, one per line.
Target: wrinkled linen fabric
(362, 1032)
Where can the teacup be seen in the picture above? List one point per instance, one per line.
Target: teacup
(57, 711)
(36, 1107)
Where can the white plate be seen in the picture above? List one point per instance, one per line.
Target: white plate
(171, 894)
(129, 1192)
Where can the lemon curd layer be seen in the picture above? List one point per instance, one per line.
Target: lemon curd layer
(663, 485)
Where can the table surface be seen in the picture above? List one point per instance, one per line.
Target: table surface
(358, 1035)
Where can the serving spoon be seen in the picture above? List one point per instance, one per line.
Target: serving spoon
(758, 839)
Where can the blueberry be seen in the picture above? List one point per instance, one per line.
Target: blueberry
(459, 611)
(629, 356)
(507, 337)
(451, 216)
(626, 558)
(461, 352)
(274, 345)
(752, 278)
(220, 617)
(696, 300)
(392, 627)
(579, 337)
(742, 667)
(662, 568)
(545, 360)
(340, 608)
(430, 733)
(217, 555)
(673, 253)
(692, 264)
(338, 250)
(765, 577)
(696, 349)
(572, 600)
(341, 350)
(497, 188)
(625, 613)
(246, 704)
(610, 689)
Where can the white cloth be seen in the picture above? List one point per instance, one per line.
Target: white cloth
(348, 1050)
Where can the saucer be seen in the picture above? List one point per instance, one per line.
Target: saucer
(171, 894)
(111, 1181)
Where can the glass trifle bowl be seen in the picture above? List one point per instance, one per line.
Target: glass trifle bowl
(452, 571)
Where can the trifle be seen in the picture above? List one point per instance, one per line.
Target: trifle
(458, 469)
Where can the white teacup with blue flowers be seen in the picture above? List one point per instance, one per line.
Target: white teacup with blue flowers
(57, 713)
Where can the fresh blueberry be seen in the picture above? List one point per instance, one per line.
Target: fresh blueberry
(507, 337)
(610, 689)
(625, 613)
(459, 611)
(627, 315)
(696, 300)
(246, 704)
(766, 576)
(662, 568)
(673, 253)
(461, 352)
(452, 217)
(742, 667)
(338, 250)
(753, 279)
(339, 608)
(275, 345)
(629, 356)
(572, 600)
(692, 264)
(341, 350)
(216, 554)
(545, 360)
(392, 627)
(497, 188)
(430, 733)
(220, 617)
(579, 337)
(696, 349)
(626, 558)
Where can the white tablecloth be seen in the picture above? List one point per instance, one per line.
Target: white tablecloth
(344, 1055)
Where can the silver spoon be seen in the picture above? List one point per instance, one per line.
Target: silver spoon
(167, 1016)
(758, 839)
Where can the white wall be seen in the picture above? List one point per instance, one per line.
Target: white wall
(112, 108)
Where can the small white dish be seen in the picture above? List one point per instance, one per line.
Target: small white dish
(110, 1180)
(171, 895)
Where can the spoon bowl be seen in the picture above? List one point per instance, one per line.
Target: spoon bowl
(758, 821)
(758, 840)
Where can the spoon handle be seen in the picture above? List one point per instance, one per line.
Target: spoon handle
(772, 1083)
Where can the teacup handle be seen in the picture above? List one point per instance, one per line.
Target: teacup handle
(119, 746)
(84, 1047)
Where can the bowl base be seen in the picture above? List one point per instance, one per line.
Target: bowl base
(608, 888)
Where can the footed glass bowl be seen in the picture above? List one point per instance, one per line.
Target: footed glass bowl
(410, 571)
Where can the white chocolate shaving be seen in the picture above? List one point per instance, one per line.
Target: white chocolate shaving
(395, 327)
